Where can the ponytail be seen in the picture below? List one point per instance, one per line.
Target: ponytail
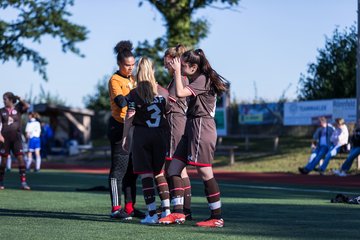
(218, 83)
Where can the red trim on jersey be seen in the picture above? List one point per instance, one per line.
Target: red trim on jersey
(168, 158)
(187, 187)
(172, 99)
(191, 90)
(177, 189)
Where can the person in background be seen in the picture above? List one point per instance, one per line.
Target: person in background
(354, 153)
(320, 145)
(46, 139)
(33, 131)
(339, 139)
(10, 135)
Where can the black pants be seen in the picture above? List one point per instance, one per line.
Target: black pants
(121, 177)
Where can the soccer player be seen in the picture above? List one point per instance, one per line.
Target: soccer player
(33, 131)
(197, 145)
(146, 112)
(121, 176)
(176, 117)
(10, 135)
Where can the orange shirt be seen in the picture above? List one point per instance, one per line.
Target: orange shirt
(119, 85)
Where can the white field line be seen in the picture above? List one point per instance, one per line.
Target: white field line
(281, 188)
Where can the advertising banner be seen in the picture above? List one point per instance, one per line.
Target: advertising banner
(259, 114)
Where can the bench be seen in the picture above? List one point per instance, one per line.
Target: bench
(247, 138)
(229, 148)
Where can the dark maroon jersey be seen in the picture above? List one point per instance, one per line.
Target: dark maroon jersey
(178, 105)
(147, 114)
(202, 102)
(11, 118)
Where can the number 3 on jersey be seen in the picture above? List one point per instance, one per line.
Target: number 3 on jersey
(155, 117)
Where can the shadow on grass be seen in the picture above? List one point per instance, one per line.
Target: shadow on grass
(288, 221)
(60, 215)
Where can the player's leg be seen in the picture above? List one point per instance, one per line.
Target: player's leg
(2, 171)
(176, 193)
(148, 188)
(8, 163)
(212, 193)
(187, 194)
(38, 160)
(129, 190)
(119, 163)
(164, 194)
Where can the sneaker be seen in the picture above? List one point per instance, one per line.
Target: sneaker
(2, 186)
(150, 219)
(137, 213)
(303, 170)
(173, 218)
(211, 223)
(165, 213)
(120, 214)
(25, 186)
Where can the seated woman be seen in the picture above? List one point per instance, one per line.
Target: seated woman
(354, 152)
(338, 139)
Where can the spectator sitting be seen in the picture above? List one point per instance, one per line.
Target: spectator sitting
(339, 138)
(354, 152)
(321, 145)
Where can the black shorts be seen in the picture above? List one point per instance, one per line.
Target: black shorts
(12, 143)
(197, 145)
(177, 122)
(148, 150)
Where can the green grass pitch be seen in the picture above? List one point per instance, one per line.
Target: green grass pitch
(53, 209)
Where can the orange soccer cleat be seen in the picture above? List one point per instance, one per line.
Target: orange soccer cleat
(211, 223)
(173, 218)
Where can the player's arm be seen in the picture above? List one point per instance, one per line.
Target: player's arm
(1, 136)
(127, 125)
(1, 126)
(130, 113)
(24, 104)
(117, 94)
(181, 90)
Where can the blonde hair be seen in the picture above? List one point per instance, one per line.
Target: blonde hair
(146, 82)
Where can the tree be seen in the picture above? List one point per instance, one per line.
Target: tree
(181, 27)
(100, 100)
(334, 73)
(34, 20)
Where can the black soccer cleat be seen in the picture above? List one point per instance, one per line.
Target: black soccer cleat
(120, 214)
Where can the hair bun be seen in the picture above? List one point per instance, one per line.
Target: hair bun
(123, 46)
